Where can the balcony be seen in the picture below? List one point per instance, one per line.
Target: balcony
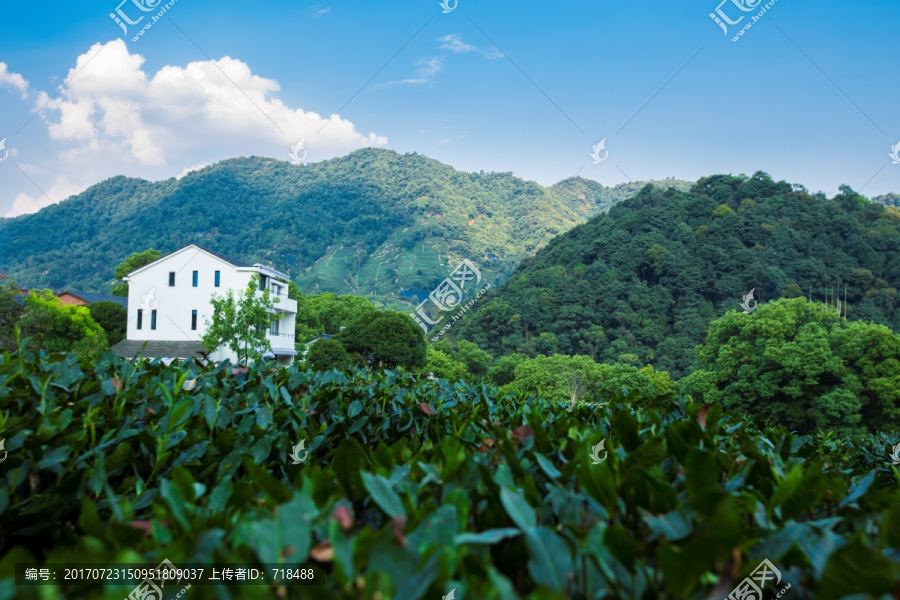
(282, 302)
(281, 342)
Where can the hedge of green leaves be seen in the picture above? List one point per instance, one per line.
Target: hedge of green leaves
(414, 488)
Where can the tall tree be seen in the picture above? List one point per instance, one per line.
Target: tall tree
(241, 323)
(132, 263)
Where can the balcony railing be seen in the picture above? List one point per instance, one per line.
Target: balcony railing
(283, 303)
(281, 341)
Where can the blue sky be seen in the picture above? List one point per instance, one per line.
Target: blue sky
(810, 93)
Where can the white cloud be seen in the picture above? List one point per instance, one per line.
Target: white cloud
(15, 80)
(317, 10)
(454, 44)
(190, 169)
(115, 118)
(426, 69)
(26, 203)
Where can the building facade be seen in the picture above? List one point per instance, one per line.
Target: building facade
(169, 304)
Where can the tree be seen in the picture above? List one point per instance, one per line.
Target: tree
(241, 323)
(11, 310)
(503, 371)
(336, 311)
(570, 378)
(112, 317)
(800, 365)
(132, 263)
(387, 339)
(328, 354)
(559, 377)
(474, 358)
(443, 367)
(54, 327)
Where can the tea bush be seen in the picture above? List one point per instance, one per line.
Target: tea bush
(412, 488)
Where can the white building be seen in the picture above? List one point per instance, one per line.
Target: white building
(169, 303)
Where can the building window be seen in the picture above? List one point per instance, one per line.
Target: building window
(153, 320)
(218, 278)
(196, 277)
(273, 329)
(262, 282)
(140, 323)
(276, 289)
(171, 278)
(194, 320)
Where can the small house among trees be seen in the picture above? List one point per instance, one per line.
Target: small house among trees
(184, 304)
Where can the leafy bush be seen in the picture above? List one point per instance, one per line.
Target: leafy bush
(413, 488)
(54, 327)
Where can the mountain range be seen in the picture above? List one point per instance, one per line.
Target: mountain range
(373, 223)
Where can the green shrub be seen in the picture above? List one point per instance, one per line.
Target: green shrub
(411, 489)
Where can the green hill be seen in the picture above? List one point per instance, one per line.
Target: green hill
(592, 197)
(371, 223)
(640, 283)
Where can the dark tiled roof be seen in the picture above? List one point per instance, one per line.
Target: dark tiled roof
(158, 349)
(235, 262)
(91, 298)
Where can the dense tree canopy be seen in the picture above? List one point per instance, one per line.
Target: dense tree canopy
(328, 354)
(802, 366)
(574, 378)
(645, 279)
(387, 339)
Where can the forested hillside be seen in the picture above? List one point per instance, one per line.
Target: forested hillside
(370, 223)
(640, 283)
(592, 197)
